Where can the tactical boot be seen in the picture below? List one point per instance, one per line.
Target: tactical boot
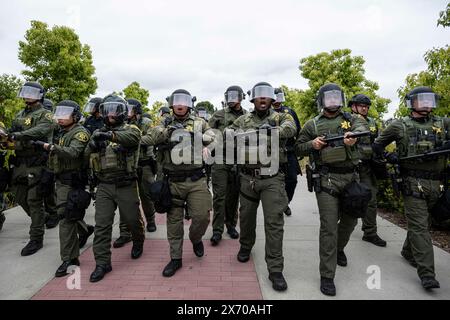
(121, 241)
(151, 226)
(84, 236)
(62, 270)
(2, 220)
(375, 239)
(409, 258)
(52, 221)
(172, 267)
(232, 232)
(31, 248)
(288, 212)
(199, 249)
(215, 239)
(278, 281)
(327, 286)
(137, 250)
(430, 283)
(99, 272)
(243, 255)
(341, 259)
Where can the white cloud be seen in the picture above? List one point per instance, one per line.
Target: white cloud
(205, 46)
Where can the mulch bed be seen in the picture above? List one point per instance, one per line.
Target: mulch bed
(441, 238)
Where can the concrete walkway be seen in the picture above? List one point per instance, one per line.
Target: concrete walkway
(218, 275)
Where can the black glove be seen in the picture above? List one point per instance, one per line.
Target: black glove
(38, 144)
(177, 126)
(445, 146)
(102, 136)
(392, 157)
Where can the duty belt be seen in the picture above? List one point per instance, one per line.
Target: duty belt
(338, 170)
(256, 173)
(148, 162)
(419, 174)
(181, 176)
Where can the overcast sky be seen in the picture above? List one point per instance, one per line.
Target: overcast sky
(206, 46)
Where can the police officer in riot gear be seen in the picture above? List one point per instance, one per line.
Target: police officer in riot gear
(423, 179)
(334, 166)
(48, 104)
(360, 104)
(264, 182)
(32, 123)
(225, 176)
(186, 176)
(66, 160)
(292, 167)
(95, 120)
(113, 152)
(146, 172)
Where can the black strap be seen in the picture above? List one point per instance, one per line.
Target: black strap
(331, 192)
(339, 170)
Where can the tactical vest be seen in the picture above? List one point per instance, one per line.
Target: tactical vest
(146, 152)
(169, 163)
(420, 138)
(114, 162)
(59, 164)
(365, 143)
(338, 155)
(251, 150)
(27, 120)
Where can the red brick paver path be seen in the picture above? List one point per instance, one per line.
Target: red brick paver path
(216, 276)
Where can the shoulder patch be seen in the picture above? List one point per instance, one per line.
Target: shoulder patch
(82, 136)
(49, 116)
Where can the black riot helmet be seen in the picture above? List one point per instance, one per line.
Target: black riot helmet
(48, 104)
(279, 96)
(421, 97)
(234, 94)
(181, 97)
(164, 110)
(135, 105)
(262, 90)
(360, 99)
(330, 97)
(114, 106)
(93, 106)
(32, 90)
(67, 109)
(201, 112)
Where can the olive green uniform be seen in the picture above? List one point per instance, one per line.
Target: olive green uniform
(115, 168)
(146, 175)
(422, 181)
(188, 183)
(67, 161)
(33, 123)
(366, 176)
(337, 167)
(225, 179)
(268, 189)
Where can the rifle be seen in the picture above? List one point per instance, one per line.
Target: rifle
(351, 136)
(427, 155)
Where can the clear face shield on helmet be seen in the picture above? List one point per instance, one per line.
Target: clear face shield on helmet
(181, 99)
(89, 107)
(280, 98)
(32, 93)
(113, 109)
(63, 112)
(423, 101)
(203, 114)
(232, 97)
(131, 111)
(263, 92)
(332, 100)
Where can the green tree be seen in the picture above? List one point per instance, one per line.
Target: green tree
(135, 91)
(10, 105)
(154, 110)
(293, 97)
(444, 17)
(340, 67)
(207, 105)
(57, 59)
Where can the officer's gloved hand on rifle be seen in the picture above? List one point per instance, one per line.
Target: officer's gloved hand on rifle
(103, 136)
(267, 127)
(39, 144)
(172, 128)
(392, 157)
